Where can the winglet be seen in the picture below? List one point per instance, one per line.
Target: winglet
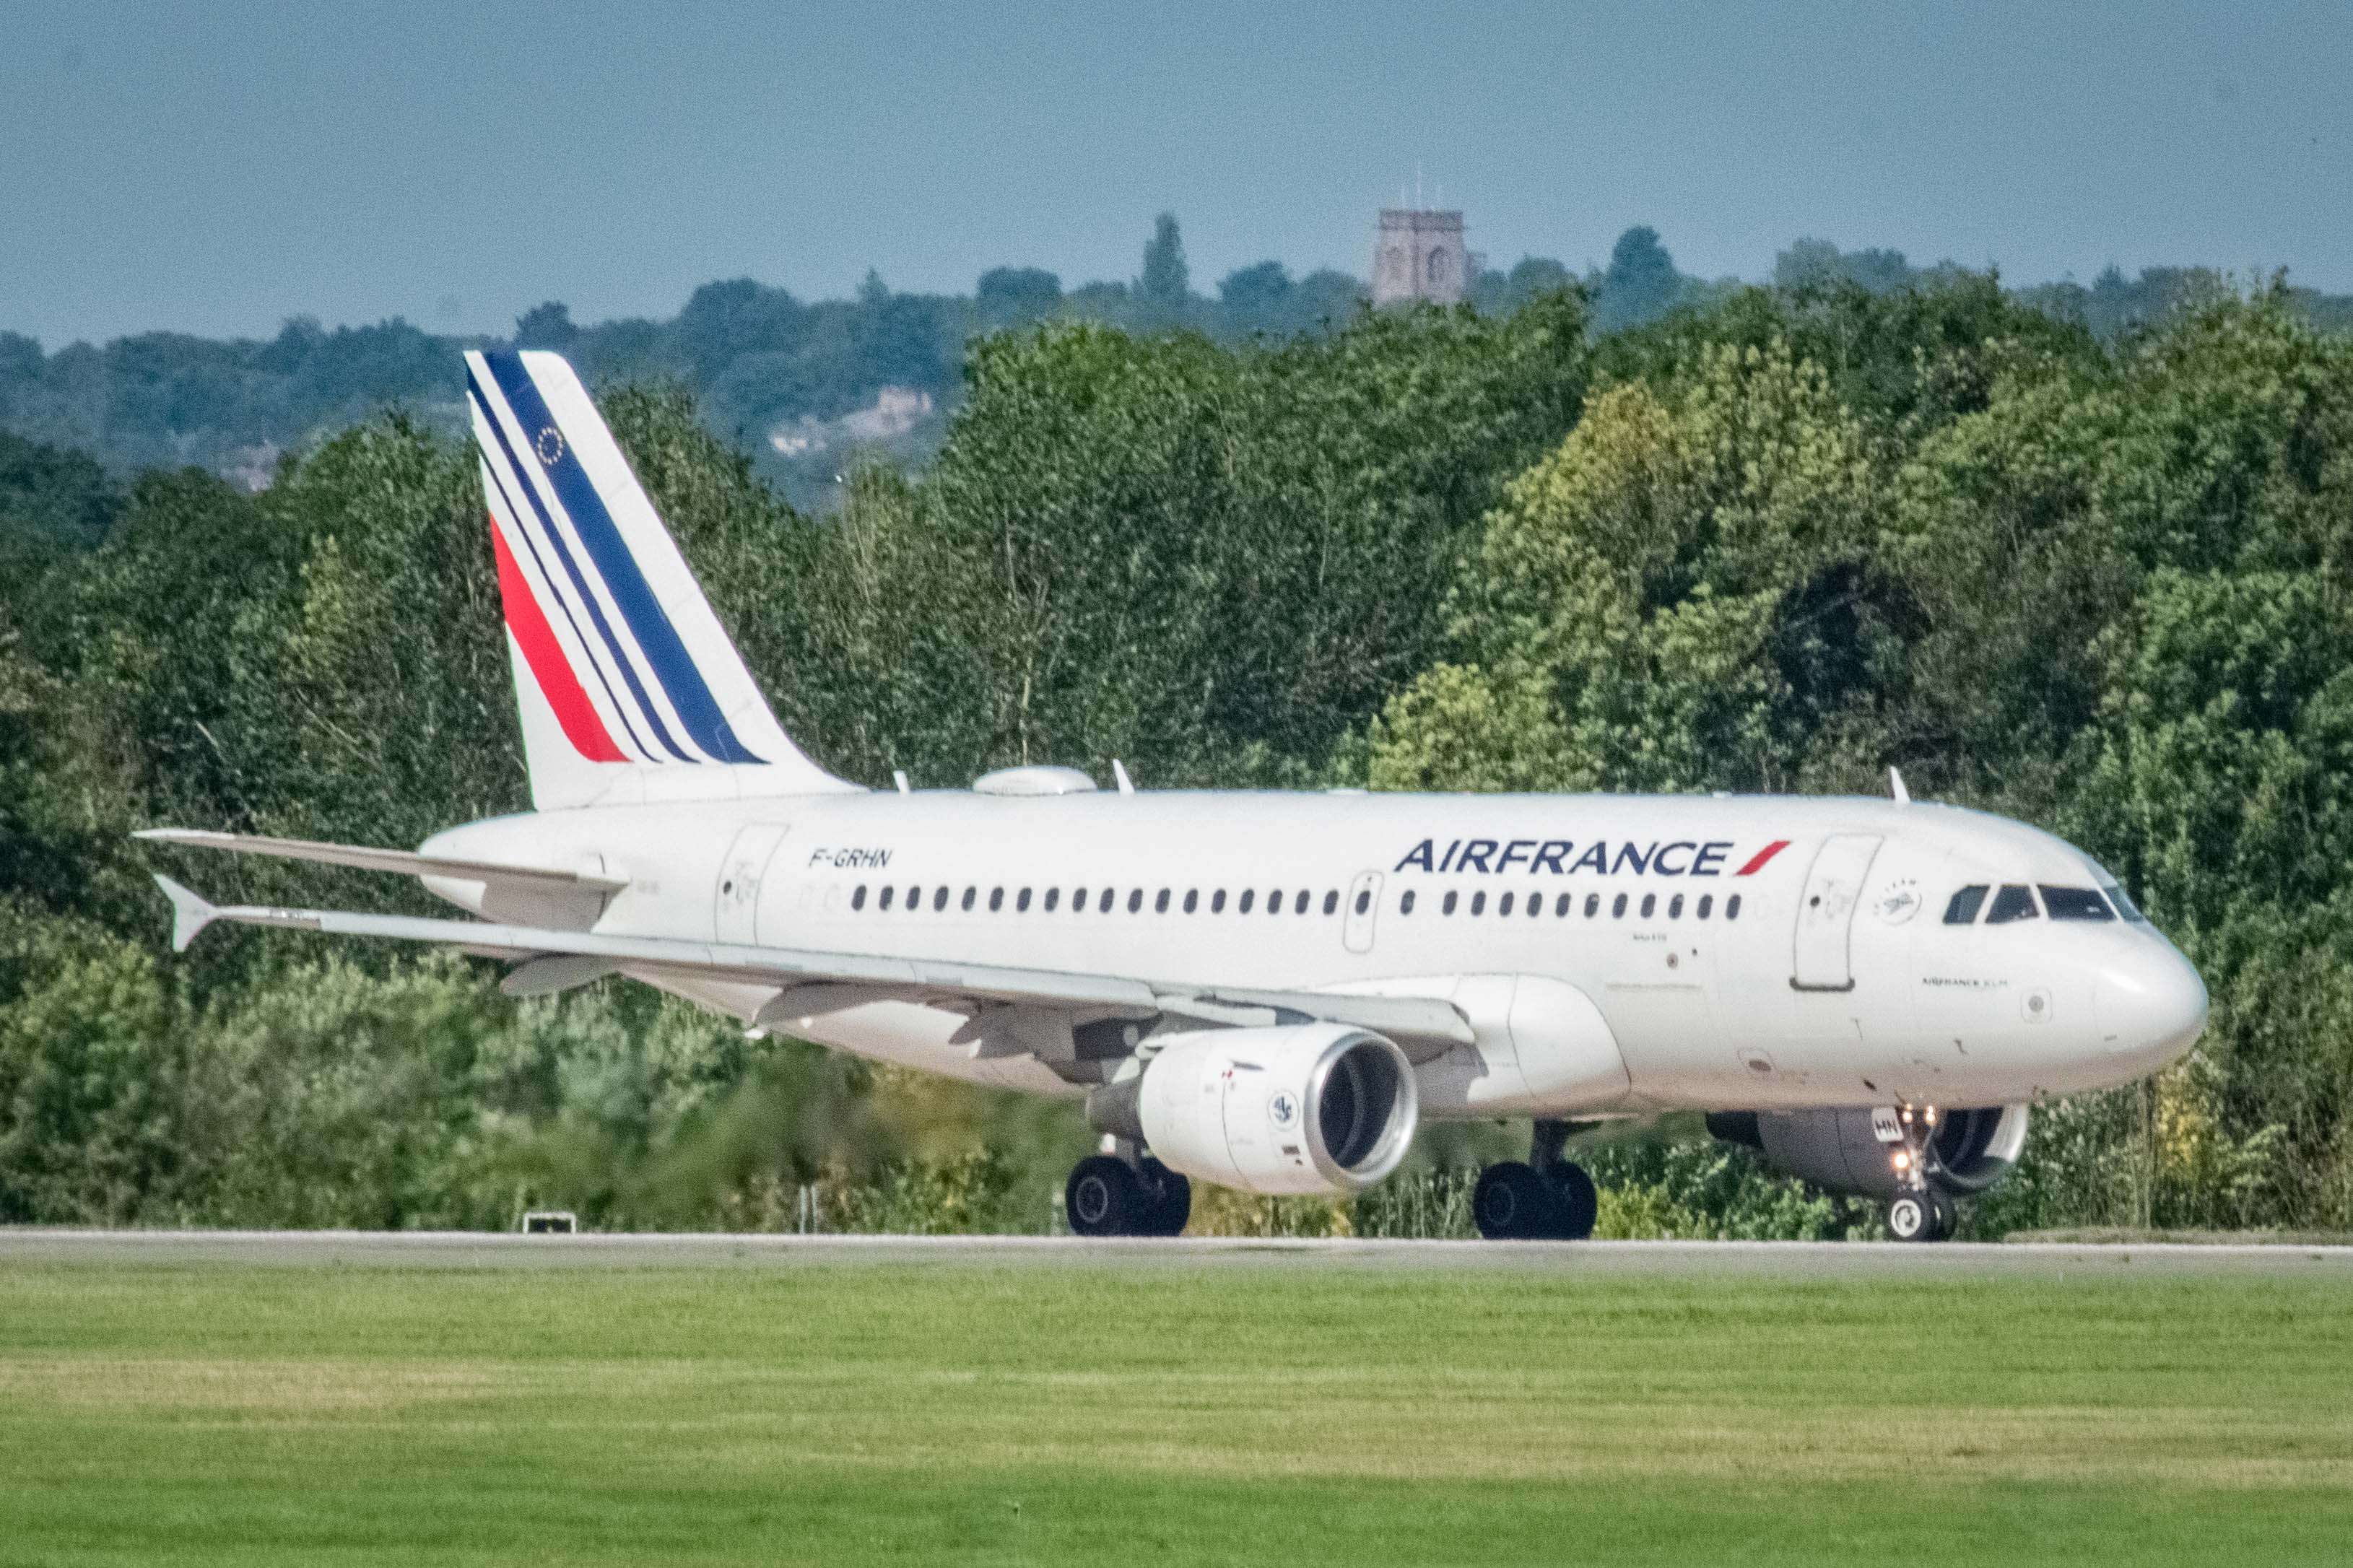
(1119, 773)
(1895, 787)
(190, 912)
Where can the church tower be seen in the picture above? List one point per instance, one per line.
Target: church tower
(1419, 254)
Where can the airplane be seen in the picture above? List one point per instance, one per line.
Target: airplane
(1266, 991)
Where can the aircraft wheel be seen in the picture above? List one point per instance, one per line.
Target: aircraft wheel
(1170, 1195)
(1946, 1214)
(1912, 1216)
(1512, 1202)
(1576, 1203)
(1104, 1197)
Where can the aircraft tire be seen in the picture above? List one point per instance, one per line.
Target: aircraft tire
(1512, 1202)
(1945, 1215)
(1170, 1193)
(1104, 1197)
(1576, 1203)
(1912, 1216)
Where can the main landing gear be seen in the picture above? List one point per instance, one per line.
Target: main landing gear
(1546, 1199)
(1114, 1195)
(1918, 1210)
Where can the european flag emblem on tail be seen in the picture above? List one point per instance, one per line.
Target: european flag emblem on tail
(630, 687)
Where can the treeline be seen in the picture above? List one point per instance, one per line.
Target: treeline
(1776, 539)
(814, 389)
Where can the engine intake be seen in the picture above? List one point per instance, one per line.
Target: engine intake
(1306, 1108)
(1836, 1150)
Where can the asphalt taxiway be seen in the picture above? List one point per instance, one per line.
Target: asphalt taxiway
(463, 1250)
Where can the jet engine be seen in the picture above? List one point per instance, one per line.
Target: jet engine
(1836, 1149)
(1305, 1108)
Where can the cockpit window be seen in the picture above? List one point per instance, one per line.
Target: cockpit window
(1965, 904)
(2014, 902)
(2075, 904)
(2125, 906)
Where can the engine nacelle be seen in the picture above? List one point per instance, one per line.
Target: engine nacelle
(1836, 1149)
(1304, 1108)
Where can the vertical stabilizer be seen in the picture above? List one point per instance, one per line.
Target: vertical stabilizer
(628, 685)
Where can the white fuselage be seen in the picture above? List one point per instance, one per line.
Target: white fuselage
(1839, 980)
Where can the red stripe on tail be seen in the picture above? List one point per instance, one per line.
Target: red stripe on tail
(1756, 861)
(548, 666)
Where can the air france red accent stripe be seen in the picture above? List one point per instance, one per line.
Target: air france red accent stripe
(548, 666)
(1756, 861)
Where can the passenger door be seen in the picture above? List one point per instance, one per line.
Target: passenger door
(1825, 911)
(736, 907)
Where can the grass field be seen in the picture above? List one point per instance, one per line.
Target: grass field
(1303, 1410)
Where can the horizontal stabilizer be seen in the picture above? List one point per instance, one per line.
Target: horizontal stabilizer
(363, 858)
(190, 912)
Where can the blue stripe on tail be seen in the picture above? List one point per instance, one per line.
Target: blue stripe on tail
(689, 693)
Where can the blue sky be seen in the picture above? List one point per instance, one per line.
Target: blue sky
(216, 168)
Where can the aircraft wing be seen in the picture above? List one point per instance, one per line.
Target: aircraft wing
(812, 980)
(365, 857)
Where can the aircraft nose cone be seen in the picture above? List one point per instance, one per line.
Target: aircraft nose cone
(2151, 1004)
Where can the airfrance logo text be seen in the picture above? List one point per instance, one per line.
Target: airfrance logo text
(1603, 857)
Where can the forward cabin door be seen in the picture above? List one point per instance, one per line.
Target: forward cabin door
(736, 907)
(1825, 911)
(1363, 908)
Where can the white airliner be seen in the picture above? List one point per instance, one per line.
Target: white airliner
(1265, 991)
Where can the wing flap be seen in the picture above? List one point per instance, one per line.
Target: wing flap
(557, 957)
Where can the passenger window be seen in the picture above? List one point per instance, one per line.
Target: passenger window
(858, 898)
(1217, 902)
(1732, 907)
(1135, 900)
(1332, 902)
(1192, 899)
(1707, 905)
(1535, 905)
(939, 898)
(1675, 908)
(1649, 902)
(915, 898)
(1503, 905)
(1618, 907)
(1365, 900)
(1592, 905)
(2013, 903)
(1053, 897)
(1405, 903)
(1160, 904)
(1479, 903)
(1560, 908)
(1299, 904)
(1275, 902)
(888, 893)
(995, 899)
(1249, 896)
(2075, 904)
(1103, 904)
(1962, 909)
(1021, 902)
(1078, 900)
(968, 895)
(1447, 907)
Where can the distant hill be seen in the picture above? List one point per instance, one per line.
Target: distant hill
(810, 387)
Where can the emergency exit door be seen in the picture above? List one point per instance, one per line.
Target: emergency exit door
(1825, 911)
(1363, 907)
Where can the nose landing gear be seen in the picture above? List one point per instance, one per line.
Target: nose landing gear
(1546, 1199)
(1918, 1210)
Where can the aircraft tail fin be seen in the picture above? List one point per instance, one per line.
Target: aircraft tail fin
(630, 689)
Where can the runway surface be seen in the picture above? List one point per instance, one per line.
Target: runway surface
(482, 1251)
